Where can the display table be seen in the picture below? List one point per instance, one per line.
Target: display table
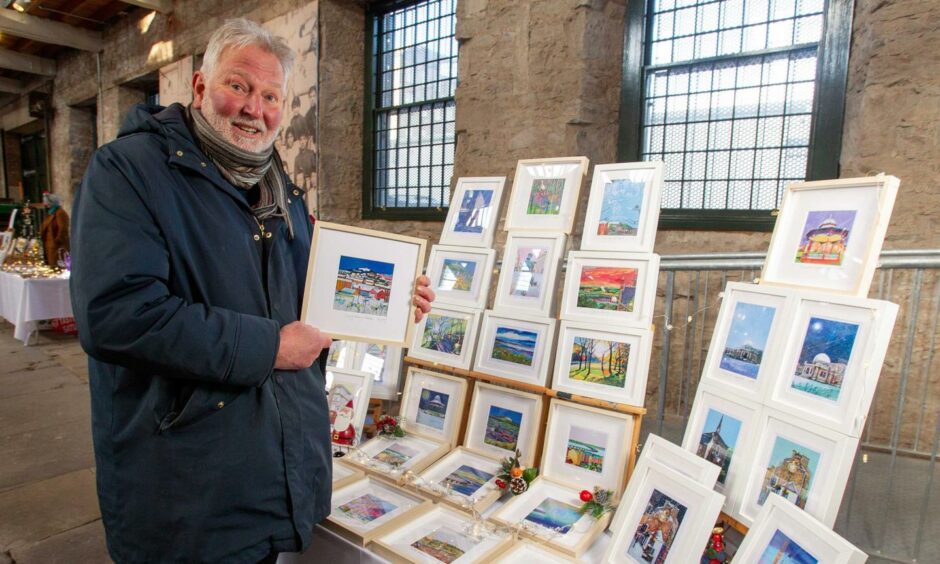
(26, 301)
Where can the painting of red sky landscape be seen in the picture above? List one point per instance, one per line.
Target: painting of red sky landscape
(607, 287)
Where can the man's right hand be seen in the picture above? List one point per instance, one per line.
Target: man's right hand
(301, 344)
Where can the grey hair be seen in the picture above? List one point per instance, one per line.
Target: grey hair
(240, 32)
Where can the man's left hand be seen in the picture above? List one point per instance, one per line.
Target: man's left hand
(423, 297)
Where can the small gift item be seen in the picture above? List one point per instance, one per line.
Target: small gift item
(515, 476)
(388, 427)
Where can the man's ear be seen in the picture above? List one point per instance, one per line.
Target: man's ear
(199, 89)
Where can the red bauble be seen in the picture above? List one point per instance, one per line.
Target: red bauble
(501, 484)
(586, 496)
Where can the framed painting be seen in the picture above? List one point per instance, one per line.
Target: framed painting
(746, 345)
(784, 533)
(343, 354)
(806, 464)
(460, 276)
(446, 335)
(658, 449)
(665, 517)
(390, 457)
(832, 360)
(474, 211)
(432, 404)
(525, 551)
(348, 402)
(607, 364)
(545, 194)
(368, 508)
(464, 479)
(829, 234)
(360, 283)
(615, 288)
(721, 431)
(517, 348)
(344, 474)
(527, 276)
(384, 363)
(502, 420)
(440, 534)
(623, 208)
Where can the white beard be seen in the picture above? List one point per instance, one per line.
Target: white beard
(226, 129)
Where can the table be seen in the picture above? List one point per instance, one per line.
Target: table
(26, 301)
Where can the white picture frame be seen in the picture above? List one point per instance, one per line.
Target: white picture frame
(384, 363)
(528, 274)
(432, 405)
(689, 511)
(581, 301)
(345, 386)
(446, 335)
(474, 212)
(746, 346)
(781, 523)
(494, 411)
(390, 457)
(343, 354)
(460, 275)
(832, 360)
(623, 207)
(366, 508)
(580, 344)
(464, 479)
(516, 348)
(440, 528)
(545, 194)
(344, 474)
(360, 283)
(829, 234)
(816, 461)
(658, 449)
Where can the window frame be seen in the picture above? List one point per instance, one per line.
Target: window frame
(374, 10)
(825, 142)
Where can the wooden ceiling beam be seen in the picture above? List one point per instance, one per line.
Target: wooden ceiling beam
(23, 62)
(48, 31)
(12, 86)
(161, 6)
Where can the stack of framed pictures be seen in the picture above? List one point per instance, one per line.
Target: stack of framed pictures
(367, 508)
(431, 411)
(585, 447)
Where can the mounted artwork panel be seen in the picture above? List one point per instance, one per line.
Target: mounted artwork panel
(503, 420)
(474, 211)
(382, 361)
(460, 276)
(614, 288)
(545, 194)
(368, 508)
(516, 348)
(464, 479)
(447, 335)
(531, 261)
(432, 404)
(623, 208)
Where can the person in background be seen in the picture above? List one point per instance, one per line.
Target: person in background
(54, 230)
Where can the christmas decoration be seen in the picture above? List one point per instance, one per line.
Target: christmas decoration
(586, 496)
(514, 475)
(715, 551)
(388, 426)
(598, 503)
(518, 485)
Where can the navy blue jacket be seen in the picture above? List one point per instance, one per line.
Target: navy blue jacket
(204, 452)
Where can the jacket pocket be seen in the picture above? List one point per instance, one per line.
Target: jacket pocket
(202, 403)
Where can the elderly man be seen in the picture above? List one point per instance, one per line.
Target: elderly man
(190, 253)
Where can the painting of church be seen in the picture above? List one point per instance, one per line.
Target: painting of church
(718, 441)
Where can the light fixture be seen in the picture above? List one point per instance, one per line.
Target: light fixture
(21, 5)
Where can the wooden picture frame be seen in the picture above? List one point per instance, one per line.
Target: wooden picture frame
(368, 508)
(464, 479)
(500, 416)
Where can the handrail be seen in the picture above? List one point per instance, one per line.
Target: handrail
(892, 258)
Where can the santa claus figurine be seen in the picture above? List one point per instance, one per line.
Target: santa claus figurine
(343, 431)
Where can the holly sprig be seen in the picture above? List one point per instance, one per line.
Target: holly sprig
(514, 476)
(387, 426)
(596, 503)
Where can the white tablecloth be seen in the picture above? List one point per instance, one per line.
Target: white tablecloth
(25, 301)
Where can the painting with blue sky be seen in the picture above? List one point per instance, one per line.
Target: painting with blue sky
(784, 550)
(515, 345)
(474, 211)
(620, 208)
(827, 348)
(747, 339)
(717, 445)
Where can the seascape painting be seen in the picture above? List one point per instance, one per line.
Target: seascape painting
(396, 455)
(599, 361)
(528, 272)
(545, 196)
(659, 524)
(747, 339)
(475, 211)
(827, 348)
(607, 288)
(825, 236)
(363, 286)
(515, 345)
(586, 448)
(790, 472)
(466, 480)
(784, 550)
(620, 208)
(366, 508)
(445, 544)
(554, 515)
(718, 440)
(457, 275)
(444, 334)
(502, 428)
(432, 409)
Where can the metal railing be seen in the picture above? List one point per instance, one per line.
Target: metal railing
(890, 504)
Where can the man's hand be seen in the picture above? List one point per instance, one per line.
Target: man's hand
(300, 346)
(423, 297)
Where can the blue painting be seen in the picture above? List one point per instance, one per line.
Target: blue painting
(432, 408)
(747, 339)
(474, 211)
(467, 480)
(554, 515)
(827, 348)
(620, 208)
(783, 550)
(515, 345)
(790, 473)
(718, 440)
(363, 286)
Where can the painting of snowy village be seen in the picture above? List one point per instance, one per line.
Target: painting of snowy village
(432, 409)
(599, 361)
(528, 272)
(826, 350)
(545, 196)
(466, 480)
(514, 345)
(554, 515)
(620, 208)
(396, 455)
(790, 472)
(366, 508)
(784, 550)
(586, 449)
(659, 524)
(363, 286)
(475, 210)
(719, 438)
(608, 288)
(825, 236)
(443, 333)
(457, 275)
(445, 544)
(502, 428)
(747, 339)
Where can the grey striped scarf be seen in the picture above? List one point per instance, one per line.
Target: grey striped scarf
(245, 169)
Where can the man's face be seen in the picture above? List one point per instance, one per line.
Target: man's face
(243, 98)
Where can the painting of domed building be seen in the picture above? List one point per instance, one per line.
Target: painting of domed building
(825, 236)
(790, 472)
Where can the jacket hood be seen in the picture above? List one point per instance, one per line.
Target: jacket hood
(145, 118)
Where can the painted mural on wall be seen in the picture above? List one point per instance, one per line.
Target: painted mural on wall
(297, 141)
